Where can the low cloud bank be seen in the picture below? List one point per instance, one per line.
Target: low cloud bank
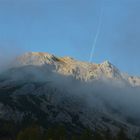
(108, 96)
(8, 53)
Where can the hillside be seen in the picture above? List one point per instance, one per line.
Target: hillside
(54, 90)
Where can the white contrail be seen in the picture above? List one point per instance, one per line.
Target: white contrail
(96, 36)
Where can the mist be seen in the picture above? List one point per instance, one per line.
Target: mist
(109, 96)
(8, 53)
(105, 95)
(113, 97)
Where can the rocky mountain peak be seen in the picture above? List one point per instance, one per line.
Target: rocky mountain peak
(110, 70)
(68, 66)
(35, 58)
(107, 63)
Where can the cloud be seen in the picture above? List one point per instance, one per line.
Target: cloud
(115, 98)
(9, 50)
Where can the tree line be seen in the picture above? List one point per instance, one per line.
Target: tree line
(9, 131)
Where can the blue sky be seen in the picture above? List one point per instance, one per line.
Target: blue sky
(68, 28)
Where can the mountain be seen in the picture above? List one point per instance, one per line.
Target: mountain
(80, 70)
(61, 90)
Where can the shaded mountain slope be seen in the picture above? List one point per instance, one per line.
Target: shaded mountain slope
(53, 90)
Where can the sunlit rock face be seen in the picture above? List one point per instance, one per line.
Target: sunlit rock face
(80, 70)
(35, 58)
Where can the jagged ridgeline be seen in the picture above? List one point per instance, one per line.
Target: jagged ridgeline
(56, 98)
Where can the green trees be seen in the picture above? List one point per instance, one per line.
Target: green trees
(55, 133)
(108, 135)
(10, 131)
(49, 134)
(74, 137)
(98, 136)
(87, 135)
(31, 133)
(122, 135)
